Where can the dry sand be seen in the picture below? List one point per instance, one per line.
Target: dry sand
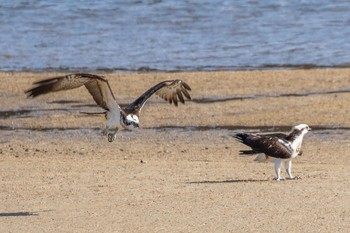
(181, 172)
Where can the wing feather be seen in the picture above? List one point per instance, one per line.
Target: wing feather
(97, 86)
(56, 84)
(174, 98)
(184, 89)
(269, 145)
(171, 91)
(101, 93)
(181, 97)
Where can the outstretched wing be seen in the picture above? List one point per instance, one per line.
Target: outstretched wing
(97, 86)
(271, 146)
(172, 91)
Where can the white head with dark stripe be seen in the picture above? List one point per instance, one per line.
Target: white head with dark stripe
(130, 121)
(297, 134)
(301, 129)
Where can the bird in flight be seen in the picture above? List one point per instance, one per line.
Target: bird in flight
(276, 147)
(117, 117)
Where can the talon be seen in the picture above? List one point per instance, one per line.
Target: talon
(295, 178)
(280, 178)
(111, 137)
(104, 132)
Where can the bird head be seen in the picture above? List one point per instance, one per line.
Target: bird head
(302, 127)
(131, 121)
(296, 136)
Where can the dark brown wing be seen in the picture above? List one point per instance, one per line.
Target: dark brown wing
(172, 91)
(97, 86)
(271, 146)
(279, 135)
(256, 151)
(278, 148)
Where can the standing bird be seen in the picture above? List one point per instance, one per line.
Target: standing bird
(128, 117)
(276, 147)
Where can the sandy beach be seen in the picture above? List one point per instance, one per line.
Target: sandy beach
(181, 171)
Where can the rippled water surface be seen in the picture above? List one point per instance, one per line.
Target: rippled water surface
(172, 35)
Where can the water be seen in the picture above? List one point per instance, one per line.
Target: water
(173, 35)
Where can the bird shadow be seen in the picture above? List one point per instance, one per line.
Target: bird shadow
(22, 213)
(226, 181)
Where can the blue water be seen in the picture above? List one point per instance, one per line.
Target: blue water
(172, 35)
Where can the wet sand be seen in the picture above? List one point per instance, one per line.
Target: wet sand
(181, 172)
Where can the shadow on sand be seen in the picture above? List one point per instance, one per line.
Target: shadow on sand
(226, 181)
(22, 214)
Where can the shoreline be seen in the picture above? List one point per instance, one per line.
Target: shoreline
(266, 67)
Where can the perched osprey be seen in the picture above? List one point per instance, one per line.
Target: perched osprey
(128, 117)
(276, 147)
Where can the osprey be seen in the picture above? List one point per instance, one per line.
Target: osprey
(276, 147)
(128, 117)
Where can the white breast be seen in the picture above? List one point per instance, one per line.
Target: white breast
(296, 144)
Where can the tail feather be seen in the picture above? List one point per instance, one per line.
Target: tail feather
(240, 137)
(248, 152)
(243, 138)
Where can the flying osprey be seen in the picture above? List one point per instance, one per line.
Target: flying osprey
(277, 147)
(128, 117)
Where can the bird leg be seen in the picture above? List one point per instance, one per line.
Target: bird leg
(278, 170)
(105, 131)
(112, 136)
(288, 166)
